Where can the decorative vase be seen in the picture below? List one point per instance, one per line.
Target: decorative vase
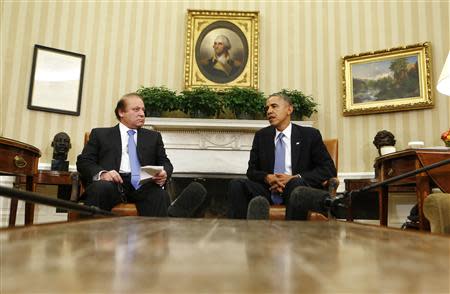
(447, 143)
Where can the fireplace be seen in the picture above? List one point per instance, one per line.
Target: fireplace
(210, 151)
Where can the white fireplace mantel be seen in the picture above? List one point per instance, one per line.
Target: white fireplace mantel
(208, 146)
(163, 123)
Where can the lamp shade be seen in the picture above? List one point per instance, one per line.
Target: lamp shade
(443, 84)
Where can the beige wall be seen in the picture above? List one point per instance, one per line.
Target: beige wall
(131, 44)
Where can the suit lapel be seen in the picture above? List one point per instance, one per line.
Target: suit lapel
(271, 147)
(117, 143)
(296, 147)
(140, 144)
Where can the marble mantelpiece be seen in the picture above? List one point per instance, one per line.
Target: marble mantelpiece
(208, 146)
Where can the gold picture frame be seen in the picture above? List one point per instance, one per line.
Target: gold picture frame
(388, 80)
(238, 36)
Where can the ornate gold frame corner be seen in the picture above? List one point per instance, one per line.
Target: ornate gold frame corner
(242, 30)
(387, 101)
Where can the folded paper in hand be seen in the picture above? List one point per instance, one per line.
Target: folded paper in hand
(148, 171)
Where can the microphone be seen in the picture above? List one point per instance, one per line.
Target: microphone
(46, 200)
(189, 200)
(331, 202)
(304, 199)
(258, 209)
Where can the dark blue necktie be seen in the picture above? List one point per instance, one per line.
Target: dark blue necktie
(135, 166)
(280, 164)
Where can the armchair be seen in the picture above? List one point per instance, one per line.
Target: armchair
(436, 208)
(122, 209)
(278, 212)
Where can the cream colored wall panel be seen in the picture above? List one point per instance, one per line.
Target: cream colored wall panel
(128, 44)
(331, 77)
(108, 62)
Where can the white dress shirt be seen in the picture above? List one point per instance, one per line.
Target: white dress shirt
(125, 159)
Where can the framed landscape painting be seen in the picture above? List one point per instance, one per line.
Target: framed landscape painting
(387, 80)
(221, 49)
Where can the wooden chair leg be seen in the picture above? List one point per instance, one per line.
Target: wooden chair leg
(12, 212)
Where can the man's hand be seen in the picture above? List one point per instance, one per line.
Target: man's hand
(111, 176)
(160, 178)
(278, 182)
(276, 185)
(284, 178)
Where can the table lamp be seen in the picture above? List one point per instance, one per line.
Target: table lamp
(443, 84)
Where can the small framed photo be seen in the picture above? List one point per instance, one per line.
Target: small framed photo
(56, 81)
(388, 80)
(221, 49)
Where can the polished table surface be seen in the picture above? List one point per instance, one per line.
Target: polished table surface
(147, 255)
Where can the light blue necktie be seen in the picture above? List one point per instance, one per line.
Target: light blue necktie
(134, 161)
(279, 166)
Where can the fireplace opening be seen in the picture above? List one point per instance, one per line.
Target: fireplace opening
(216, 185)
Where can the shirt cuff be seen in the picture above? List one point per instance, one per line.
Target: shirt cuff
(97, 176)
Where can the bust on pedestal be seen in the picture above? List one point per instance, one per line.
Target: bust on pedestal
(384, 141)
(61, 145)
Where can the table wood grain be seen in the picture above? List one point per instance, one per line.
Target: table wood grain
(148, 255)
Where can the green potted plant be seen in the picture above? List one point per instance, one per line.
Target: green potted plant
(245, 103)
(158, 100)
(200, 102)
(304, 106)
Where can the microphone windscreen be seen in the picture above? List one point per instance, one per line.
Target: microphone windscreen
(304, 199)
(188, 201)
(258, 208)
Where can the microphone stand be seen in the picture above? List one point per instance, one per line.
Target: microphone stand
(42, 199)
(335, 202)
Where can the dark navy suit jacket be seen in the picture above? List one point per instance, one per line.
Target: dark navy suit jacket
(309, 156)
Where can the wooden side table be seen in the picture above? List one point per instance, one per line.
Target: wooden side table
(60, 178)
(52, 177)
(398, 163)
(19, 159)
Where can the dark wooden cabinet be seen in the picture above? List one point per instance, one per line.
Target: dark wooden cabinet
(20, 159)
(398, 163)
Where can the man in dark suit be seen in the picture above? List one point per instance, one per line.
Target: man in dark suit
(110, 162)
(283, 157)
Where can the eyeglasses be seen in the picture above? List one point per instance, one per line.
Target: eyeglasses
(122, 195)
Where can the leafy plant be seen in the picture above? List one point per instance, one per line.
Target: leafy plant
(244, 102)
(304, 106)
(158, 99)
(201, 102)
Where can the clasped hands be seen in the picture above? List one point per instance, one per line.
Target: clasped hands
(113, 176)
(278, 182)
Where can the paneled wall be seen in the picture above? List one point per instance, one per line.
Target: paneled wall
(130, 44)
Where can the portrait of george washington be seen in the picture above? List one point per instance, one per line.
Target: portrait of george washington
(221, 52)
